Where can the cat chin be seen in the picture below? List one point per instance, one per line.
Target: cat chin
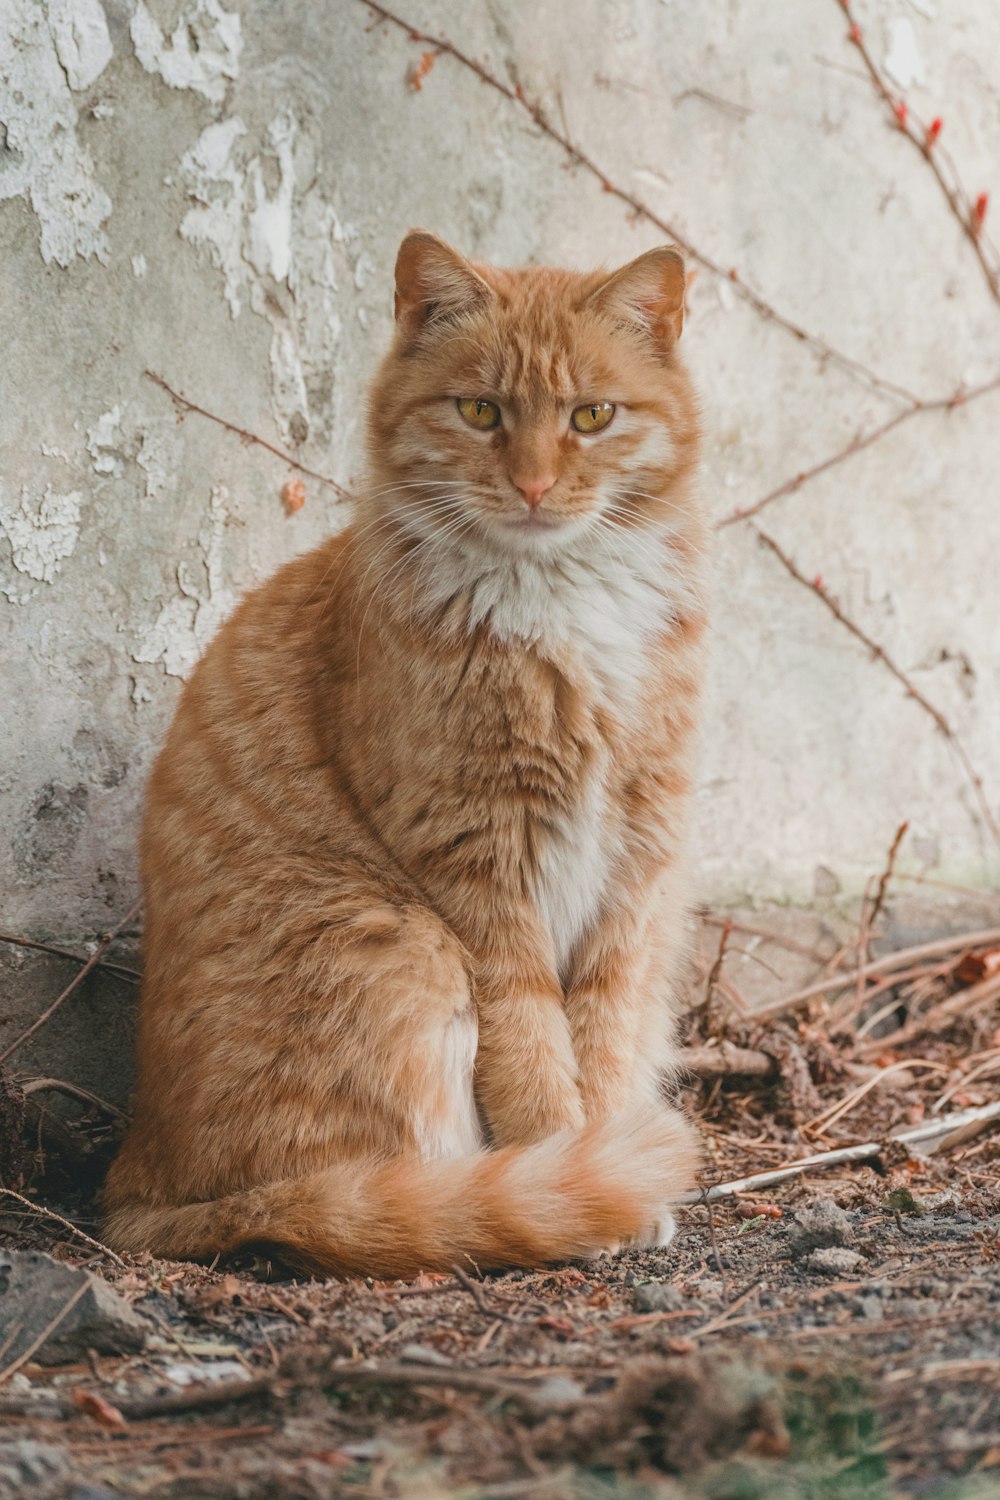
(514, 538)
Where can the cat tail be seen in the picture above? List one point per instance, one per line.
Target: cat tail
(571, 1195)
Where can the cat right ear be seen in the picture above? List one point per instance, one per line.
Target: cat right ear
(433, 282)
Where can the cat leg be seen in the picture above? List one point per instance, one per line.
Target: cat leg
(526, 1071)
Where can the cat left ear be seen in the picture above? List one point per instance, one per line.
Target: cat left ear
(647, 294)
(433, 282)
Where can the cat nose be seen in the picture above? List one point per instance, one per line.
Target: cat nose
(533, 489)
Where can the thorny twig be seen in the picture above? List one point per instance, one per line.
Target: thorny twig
(74, 983)
(49, 1213)
(880, 654)
(925, 139)
(642, 210)
(184, 406)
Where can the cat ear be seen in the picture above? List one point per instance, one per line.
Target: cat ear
(433, 282)
(647, 294)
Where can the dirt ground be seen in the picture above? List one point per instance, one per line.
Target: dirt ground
(836, 1335)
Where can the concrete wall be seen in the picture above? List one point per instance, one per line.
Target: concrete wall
(215, 192)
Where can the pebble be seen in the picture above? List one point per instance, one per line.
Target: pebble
(819, 1225)
(657, 1296)
(834, 1260)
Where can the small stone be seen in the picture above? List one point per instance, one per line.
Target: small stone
(834, 1260)
(818, 1225)
(872, 1310)
(420, 1354)
(35, 1290)
(657, 1296)
(555, 1394)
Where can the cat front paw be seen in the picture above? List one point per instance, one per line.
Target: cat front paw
(660, 1232)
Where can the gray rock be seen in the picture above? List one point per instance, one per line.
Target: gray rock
(834, 1260)
(818, 1225)
(35, 1290)
(872, 1310)
(30, 1468)
(657, 1296)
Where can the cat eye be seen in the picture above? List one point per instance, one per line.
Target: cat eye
(480, 414)
(593, 417)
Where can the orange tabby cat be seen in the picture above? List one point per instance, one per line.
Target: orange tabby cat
(411, 853)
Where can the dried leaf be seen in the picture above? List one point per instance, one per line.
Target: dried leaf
(420, 69)
(293, 496)
(557, 1325)
(93, 1405)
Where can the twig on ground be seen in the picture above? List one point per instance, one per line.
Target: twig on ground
(104, 944)
(641, 210)
(477, 1294)
(918, 1135)
(50, 1213)
(725, 1059)
(716, 969)
(901, 959)
(938, 1016)
(72, 1091)
(869, 916)
(816, 586)
(121, 970)
(836, 1112)
(884, 878)
(184, 406)
(705, 1197)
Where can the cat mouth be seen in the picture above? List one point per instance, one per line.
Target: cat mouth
(533, 521)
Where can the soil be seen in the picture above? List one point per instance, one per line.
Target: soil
(836, 1337)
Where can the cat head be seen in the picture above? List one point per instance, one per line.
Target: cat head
(525, 411)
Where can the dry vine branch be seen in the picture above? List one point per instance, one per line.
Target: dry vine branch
(121, 970)
(92, 963)
(642, 210)
(925, 139)
(857, 445)
(184, 406)
(815, 585)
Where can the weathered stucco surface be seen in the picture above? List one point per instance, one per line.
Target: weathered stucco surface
(215, 192)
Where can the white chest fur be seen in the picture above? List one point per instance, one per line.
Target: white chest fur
(573, 868)
(596, 609)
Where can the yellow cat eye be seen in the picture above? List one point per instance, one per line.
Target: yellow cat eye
(480, 414)
(593, 416)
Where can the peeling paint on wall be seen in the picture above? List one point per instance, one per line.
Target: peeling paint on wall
(202, 53)
(43, 160)
(274, 249)
(103, 441)
(80, 32)
(41, 535)
(186, 623)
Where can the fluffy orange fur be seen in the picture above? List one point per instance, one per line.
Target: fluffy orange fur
(412, 851)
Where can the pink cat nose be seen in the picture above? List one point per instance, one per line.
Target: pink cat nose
(533, 489)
